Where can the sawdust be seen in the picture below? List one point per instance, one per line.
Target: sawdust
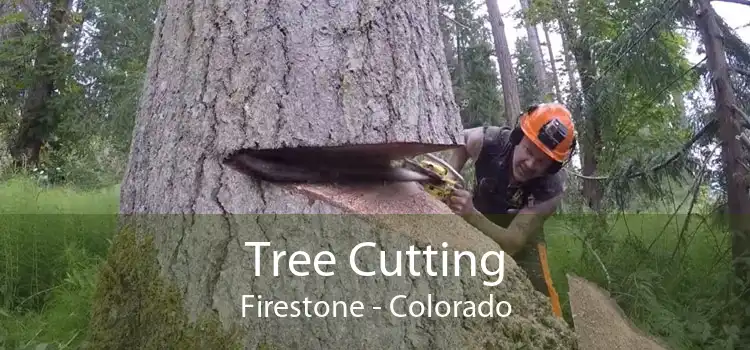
(401, 206)
(377, 199)
(599, 321)
(406, 210)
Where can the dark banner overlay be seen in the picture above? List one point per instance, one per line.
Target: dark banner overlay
(348, 278)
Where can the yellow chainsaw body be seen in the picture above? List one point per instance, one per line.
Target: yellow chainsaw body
(443, 190)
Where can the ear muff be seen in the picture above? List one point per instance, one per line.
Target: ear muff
(556, 166)
(516, 135)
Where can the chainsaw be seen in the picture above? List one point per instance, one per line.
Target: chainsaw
(333, 165)
(440, 183)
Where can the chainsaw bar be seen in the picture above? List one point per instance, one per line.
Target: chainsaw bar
(412, 165)
(343, 170)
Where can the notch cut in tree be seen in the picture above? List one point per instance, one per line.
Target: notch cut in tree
(242, 77)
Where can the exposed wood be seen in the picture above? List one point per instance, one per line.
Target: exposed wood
(600, 323)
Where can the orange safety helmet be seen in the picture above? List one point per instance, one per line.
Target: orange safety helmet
(550, 127)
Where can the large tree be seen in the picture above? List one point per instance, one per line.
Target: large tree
(230, 76)
(729, 117)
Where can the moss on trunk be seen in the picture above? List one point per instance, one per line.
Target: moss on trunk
(134, 307)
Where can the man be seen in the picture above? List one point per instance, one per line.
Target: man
(518, 172)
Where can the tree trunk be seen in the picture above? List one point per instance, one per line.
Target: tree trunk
(38, 117)
(536, 54)
(553, 64)
(368, 73)
(738, 200)
(511, 96)
(447, 42)
(590, 137)
(460, 63)
(591, 142)
(569, 68)
(459, 73)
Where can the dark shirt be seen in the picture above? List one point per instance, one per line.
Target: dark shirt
(493, 194)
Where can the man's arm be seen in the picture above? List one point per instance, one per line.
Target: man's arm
(547, 196)
(526, 223)
(509, 239)
(472, 146)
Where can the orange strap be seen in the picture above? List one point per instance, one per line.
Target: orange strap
(554, 298)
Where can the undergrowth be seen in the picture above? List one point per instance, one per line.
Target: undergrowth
(671, 278)
(53, 241)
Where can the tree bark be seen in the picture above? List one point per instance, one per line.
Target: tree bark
(511, 96)
(738, 200)
(553, 64)
(302, 74)
(368, 75)
(536, 54)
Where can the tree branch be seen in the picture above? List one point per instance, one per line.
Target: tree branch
(741, 2)
(453, 20)
(709, 128)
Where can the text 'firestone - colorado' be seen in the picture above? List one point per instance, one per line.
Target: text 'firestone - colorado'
(301, 258)
(399, 306)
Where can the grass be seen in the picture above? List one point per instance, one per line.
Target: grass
(53, 240)
(677, 294)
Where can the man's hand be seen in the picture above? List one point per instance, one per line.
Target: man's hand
(461, 202)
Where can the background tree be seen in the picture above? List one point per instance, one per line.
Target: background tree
(474, 77)
(535, 48)
(529, 88)
(502, 53)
